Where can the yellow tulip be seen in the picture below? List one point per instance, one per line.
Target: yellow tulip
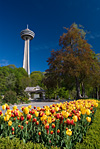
(2, 114)
(4, 107)
(65, 114)
(38, 108)
(6, 118)
(56, 108)
(26, 110)
(49, 119)
(29, 106)
(9, 111)
(88, 119)
(6, 104)
(83, 111)
(69, 132)
(75, 118)
(63, 107)
(15, 107)
(47, 107)
(96, 105)
(48, 113)
(36, 113)
(88, 112)
(44, 117)
(10, 123)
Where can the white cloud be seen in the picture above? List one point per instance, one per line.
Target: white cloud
(93, 36)
(4, 62)
(97, 35)
(46, 47)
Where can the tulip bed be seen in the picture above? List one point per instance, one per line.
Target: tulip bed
(61, 124)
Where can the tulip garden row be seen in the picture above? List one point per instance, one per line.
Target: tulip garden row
(61, 124)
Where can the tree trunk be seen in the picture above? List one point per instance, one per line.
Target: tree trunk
(83, 90)
(78, 89)
(97, 95)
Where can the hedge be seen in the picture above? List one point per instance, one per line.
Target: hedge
(16, 143)
(92, 138)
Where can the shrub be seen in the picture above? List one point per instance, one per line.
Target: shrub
(0, 97)
(92, 138)
(10, 97)
(23, 97)
(16, 143)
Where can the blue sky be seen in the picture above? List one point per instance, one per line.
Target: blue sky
(47, 19)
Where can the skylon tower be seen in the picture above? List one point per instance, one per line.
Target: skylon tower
(27, 35)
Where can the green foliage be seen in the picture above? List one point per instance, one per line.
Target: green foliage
(72, 94)
(10, 97)
(11, 78)
(63, 93)
(0, 97)
(10, 81)
(15, 143)
(23, 97)
(36, 78)
(92, 138)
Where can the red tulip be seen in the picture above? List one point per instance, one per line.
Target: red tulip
(74, 111)
(39, 133)
(34, 107)
(0, 112)
(68, 121)
(70, 115)
(7, 107)
(51, 132)
(58, 115)
(58, 131)
(34, 120)
(22, 127)
(53, 125)
(72, 122)
(47, 131)
(30, 111)
(13, 129)
(29, 116)
(37, 122)
(52, 111)
(21, 118)
(33, 112)
(16, 113)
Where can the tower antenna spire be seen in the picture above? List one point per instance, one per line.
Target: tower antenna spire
(27, 26)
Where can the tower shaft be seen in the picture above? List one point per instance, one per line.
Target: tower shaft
(27, 35)
(26, 60)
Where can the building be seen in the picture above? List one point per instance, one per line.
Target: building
(37, 92)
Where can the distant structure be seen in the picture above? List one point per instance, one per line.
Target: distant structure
(37, 91)
(27, 35)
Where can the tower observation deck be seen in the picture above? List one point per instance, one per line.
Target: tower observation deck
(27, 35)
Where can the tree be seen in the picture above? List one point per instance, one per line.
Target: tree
(94, 80)
(20, 74)
(36, 78)
(4, 72)
(10, 81)
(75, 58)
